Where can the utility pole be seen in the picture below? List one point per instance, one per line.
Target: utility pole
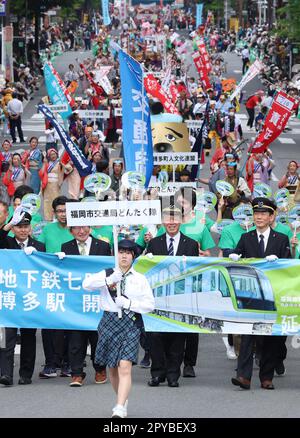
(226, 14)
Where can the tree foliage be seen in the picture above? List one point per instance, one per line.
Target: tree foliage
(288, 20)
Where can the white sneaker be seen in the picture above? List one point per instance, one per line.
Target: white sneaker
(231, 353)
(119, 411)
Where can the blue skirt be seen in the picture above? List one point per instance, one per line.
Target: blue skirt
(118, 340)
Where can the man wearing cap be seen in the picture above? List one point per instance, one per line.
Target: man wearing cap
(119, 338)
(84, 244)
(20, 226)
(266, 243)
(167, 349)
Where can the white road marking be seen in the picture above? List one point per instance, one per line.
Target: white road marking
(286, 140)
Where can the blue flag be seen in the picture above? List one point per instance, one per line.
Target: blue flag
(105, 13)
(83, 165)
(55, 92)
(199, 14)
(137, 135)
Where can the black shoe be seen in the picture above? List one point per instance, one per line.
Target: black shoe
(6, 380)
(24, 381)
(280, 370)
(155, 381)
(188, 371)
(145, 362)
(173, 384)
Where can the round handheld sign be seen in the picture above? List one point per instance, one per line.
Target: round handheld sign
(282, 198)
(133, 180)
(282, 218)
(38, 228)
(206, 201)
(243, 214)
(224, 188)
(222, 224)
(294, 217)
(31, 203)
(97, 182)
(262, 190)
(163, 178)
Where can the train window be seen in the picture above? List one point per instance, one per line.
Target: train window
(195, 285)
(200, 283)
(246, 287)
(159, 291)
(213, 280)
(223, 286)
(179, 287)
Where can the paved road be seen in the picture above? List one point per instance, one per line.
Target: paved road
(210, 394)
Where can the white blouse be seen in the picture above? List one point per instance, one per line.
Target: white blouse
(137, 289)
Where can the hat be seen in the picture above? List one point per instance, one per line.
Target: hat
(26, 219)
(212, 102)
(51, 150)
(128, 244)
(171, 211)
(263, 205)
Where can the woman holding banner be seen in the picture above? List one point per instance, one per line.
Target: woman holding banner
(119, 338)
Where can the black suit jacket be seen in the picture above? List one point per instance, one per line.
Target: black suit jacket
(187, 246)
(7, 242)
(278, 244)
(98, 248)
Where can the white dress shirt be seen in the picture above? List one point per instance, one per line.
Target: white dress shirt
(14, 107)
(266, 235)
(24, 244)
(175, 242)
(87, 244)
(137, 289)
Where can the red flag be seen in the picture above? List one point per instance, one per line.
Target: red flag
(276, 120)
(173, 92)
(97, 88)
(202, 70)
(154, 88)
(204, 55)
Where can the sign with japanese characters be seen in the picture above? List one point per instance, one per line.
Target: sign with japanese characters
(93, 114)
(58, 108)
(174, 158)
(276, 121)
(170, 188)
(113, 213)
(192, 294)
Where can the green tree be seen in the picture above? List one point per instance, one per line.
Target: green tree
(288, 20)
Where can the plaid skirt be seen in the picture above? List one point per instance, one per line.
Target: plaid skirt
(118, 340)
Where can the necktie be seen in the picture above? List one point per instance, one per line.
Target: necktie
(171, 247)
(22, 245)
(261, 246)
(82, 248)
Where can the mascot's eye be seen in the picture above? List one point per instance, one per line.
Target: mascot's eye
(170, 137)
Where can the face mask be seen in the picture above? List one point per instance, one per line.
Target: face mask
(231, 114)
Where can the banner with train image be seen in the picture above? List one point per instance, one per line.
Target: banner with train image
(192, 294)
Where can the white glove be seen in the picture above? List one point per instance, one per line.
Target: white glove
(150, 255)
(122, 302)
(18, 215)
(271, 258)
(29, 250)
(61, 255)
(235, 257)
(115, 277)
